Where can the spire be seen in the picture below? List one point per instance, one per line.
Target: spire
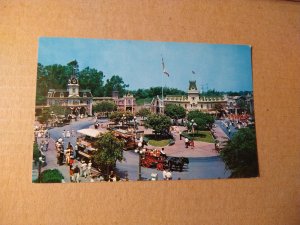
(193, 85)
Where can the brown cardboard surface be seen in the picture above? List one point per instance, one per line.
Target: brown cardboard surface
(272, 28)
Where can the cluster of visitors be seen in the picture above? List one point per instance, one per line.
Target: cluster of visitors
(83, 171)
(189, 142)
(64, 155)
(44, 145)
(68, 134)
(41, 132)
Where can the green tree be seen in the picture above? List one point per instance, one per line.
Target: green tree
(204, 121)
(175, 112)
(159, 123)
(45, 116)
(212, 93)
(143, 112)
(92, 79)
(51, 176)
(118, 115)
(109, 151)
(57, 110)
(240, 154)
(36, 152)
(115, 83)
(42, 86)
(105, 107)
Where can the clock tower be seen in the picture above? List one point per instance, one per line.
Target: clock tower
(73, 86)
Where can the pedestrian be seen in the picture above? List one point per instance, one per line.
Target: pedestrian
(42, 146)
(186, 140)
(64, 133)
(75, 152)
(112, 177)
(61, 157)
(46, 145)
(192, 144)
(83, 169)
(164, 173)
(71, 173)
(168, 175)
(71, 160)
(89, 167)
(72, 133)
(100, 176)
(60, 140)
(68, 134)
(76, 174)
(162, 152)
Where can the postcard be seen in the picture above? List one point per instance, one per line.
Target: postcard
(126, 110)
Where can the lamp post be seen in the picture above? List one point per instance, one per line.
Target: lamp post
(134, 119)
(140, 151)
(41, 161)
(193, 124)
(123, 119)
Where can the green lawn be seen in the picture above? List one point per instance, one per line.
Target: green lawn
(157, 142)
(204, 136)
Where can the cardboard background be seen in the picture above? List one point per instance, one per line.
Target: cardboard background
(272, 28)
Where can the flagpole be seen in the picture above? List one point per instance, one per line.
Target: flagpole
(162, 84)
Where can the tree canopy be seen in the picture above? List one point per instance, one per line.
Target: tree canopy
(143, 112)
(105, 106)
(117, 116)
(204, 121)
(154, 91)
(159, 123)
(240, 154)
(109, 151)
(175, 111)
(115, 83)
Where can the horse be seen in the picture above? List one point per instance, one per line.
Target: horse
(177, 162)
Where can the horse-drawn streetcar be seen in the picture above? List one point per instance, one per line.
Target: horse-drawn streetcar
(160, 161)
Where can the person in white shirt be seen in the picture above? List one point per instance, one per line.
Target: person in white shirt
(68, 134)
(186, 140)
(164, 174)
(168, 175)
(89, 167)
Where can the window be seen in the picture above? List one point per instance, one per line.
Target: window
(73, 90)
(201, 106)
(193, 98)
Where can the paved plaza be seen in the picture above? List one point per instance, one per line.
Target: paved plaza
(204, 160)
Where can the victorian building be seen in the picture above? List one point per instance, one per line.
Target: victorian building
(78, 101)
(126, 103)
(192, 101)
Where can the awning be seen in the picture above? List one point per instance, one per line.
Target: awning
(90, 132)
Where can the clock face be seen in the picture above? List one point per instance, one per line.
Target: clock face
(74, 81)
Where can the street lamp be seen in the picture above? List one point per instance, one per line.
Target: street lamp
(134, 119)
(123, 119)
(193, 124)
(140, 151)
(41, 161)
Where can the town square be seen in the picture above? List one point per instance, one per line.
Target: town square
(109, 126)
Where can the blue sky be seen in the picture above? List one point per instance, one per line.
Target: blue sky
(221, 67)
